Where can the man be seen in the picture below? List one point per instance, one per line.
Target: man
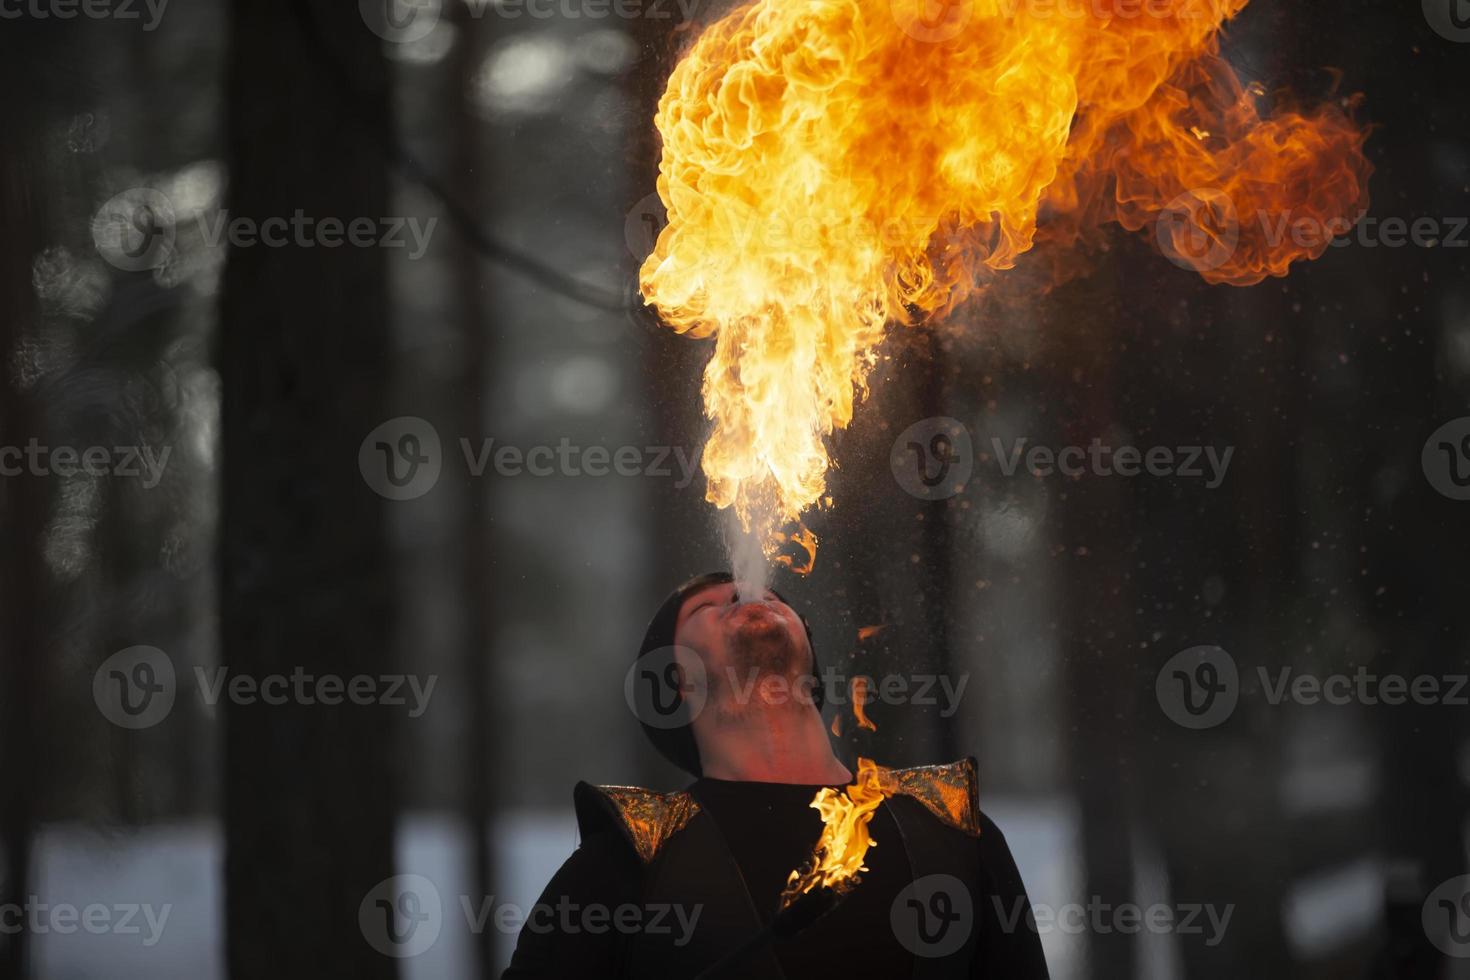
(667, 886)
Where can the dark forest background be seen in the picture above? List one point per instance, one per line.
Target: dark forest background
(263, 549)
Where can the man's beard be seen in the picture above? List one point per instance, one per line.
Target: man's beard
(765, 668)
(766, 649)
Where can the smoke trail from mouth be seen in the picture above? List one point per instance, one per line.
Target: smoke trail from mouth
(748, 562)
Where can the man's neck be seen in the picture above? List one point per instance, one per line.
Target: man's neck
(783, 743)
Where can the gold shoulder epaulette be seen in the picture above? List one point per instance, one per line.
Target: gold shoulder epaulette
(950, 792)
(646, 818)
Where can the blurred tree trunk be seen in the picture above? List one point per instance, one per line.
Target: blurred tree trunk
(471, 162)
(1094, 544)
(935, 591)
(667, 359)
(1414, 599)
(1211, 569)
(305, 578)
(23, 498)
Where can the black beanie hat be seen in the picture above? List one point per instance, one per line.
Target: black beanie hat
(677, 743)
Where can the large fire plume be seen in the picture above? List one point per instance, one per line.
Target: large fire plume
(833, 166)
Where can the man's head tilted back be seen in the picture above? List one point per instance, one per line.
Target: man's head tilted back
(735, 643)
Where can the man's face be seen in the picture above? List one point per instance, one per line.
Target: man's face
(732, 635)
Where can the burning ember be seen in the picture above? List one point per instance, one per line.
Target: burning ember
(839, 855)
(831, 166)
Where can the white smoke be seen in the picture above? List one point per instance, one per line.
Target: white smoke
(748, 561)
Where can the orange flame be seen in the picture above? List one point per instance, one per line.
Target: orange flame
(830, 166)
(843, 846)
(803, 548)
(859, 704)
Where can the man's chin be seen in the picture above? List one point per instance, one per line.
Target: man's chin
(765, 645)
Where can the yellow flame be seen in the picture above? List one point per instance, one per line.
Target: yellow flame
(830, 166)
(843, 846)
